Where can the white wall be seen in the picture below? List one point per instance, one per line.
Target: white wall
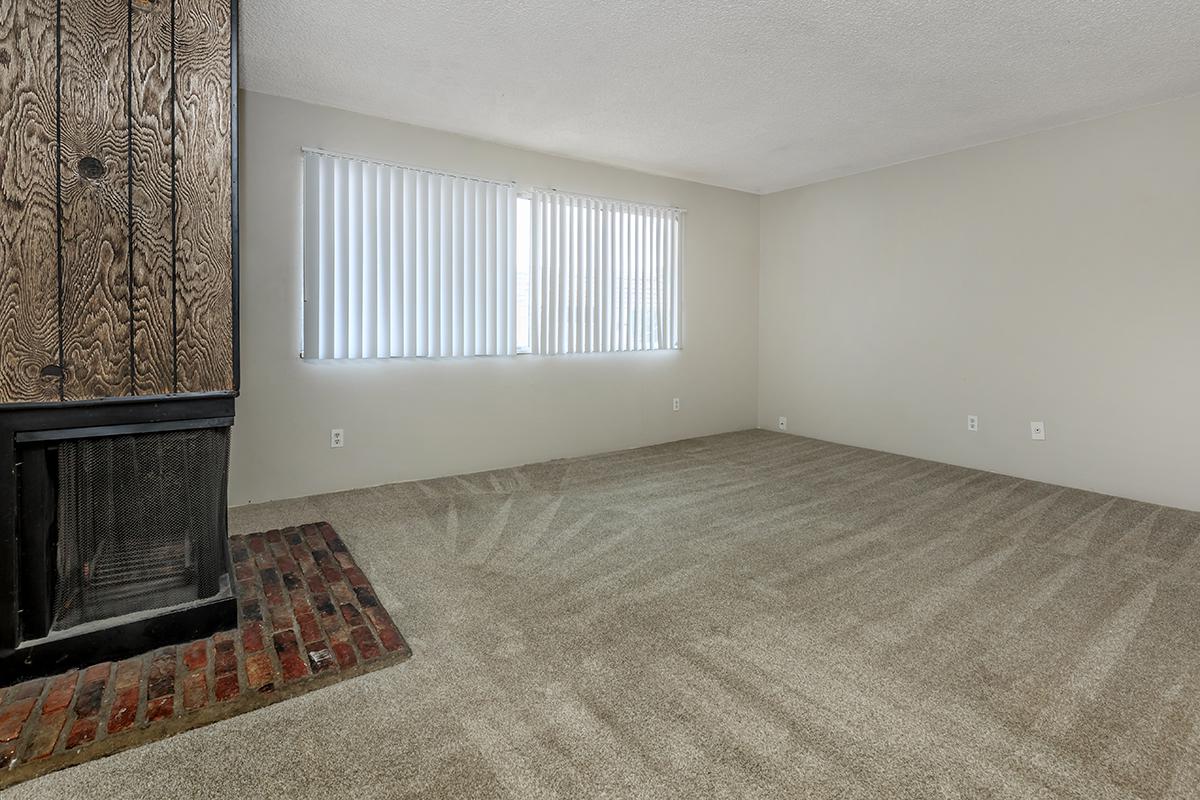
(1052, 277)
(408, 419)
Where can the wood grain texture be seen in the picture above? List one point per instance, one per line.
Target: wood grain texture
(203, 175)
(28, 237)
(95, 223)
(153, 284)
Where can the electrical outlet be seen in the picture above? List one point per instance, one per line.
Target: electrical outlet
(972, 422)
(675, 404)
(1037, 430)
(337, 437)
(783, 423)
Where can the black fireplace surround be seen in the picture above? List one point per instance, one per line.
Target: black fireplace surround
(113, 535)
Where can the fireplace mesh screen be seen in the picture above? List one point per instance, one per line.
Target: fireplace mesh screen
(140, 522)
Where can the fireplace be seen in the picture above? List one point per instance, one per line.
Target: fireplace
(119, 329)
(118, 532)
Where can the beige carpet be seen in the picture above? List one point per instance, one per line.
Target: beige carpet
(749, 615)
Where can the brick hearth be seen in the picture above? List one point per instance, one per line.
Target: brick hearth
(307, 617)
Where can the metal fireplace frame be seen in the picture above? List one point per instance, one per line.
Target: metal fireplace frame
(122, 637)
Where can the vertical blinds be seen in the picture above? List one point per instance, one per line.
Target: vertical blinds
(605, 275)
(405, 262)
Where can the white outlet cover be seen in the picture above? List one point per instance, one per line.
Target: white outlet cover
(972, 422)
(1037, 431)
(783, 423)
(675, 404)
(337, 437)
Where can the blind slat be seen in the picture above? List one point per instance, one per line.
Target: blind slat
(312, 256)
(370, 255)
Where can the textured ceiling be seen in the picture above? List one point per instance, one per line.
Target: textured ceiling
(758, 96)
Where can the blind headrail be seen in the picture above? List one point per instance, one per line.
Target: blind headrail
(397, 165)
(618, 200)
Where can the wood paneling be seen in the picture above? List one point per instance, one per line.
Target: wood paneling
(115, 181)
(28, 249)
(153, 281)
(95, 204)
(203, 261)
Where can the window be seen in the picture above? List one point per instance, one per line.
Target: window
(403, 262)
(605, 275)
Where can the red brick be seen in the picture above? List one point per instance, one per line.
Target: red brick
(225, 657)
(356, 577)
(23, 691)
(257, 543)
(391, 638)
(345, 561)
(290, 662)
(13, 716)
(303, 559)
(272, 594)
(281, 618)
(227, 687)
(91, 691)
(129, 674)
(82, 732)
(45, 737)
(310, 631)
(243, 572)
(323, 603)
(62, 690)
(274, 535)
(316, 583)
(239, 550)
(313, 537)
(342, 593)
(286, 564)
(251, 610)
(161, 679)
(301, 607)
(195, 655)
(124, 710)
(366, 643)
(260, 674)
(332, 624)
(97, 672)
(366, 597)
(351, 615)
(331, 574)
(195, 691)
(252, 637)
(345, 654)
(160, 708)
(378, 616)
(275, 596)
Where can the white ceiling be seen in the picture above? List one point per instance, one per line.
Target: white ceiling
(759, 96)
